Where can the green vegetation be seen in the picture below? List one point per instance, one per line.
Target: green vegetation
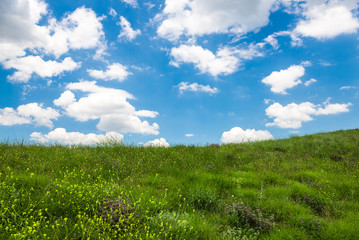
(298, 188)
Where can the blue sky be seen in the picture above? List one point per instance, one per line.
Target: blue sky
(177, 71)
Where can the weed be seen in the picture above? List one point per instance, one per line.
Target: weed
(240, 233)
(316, 204)
(309, 224)
(336, 158)
(117, 212)
(246, 217)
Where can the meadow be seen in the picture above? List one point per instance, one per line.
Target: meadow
(298, 188)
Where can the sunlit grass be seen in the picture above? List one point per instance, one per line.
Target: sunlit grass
(298, 188)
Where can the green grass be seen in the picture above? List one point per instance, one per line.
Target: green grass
(298, 188)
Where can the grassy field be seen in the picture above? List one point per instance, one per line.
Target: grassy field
(298, 188)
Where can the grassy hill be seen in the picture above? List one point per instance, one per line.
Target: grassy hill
(298, 188)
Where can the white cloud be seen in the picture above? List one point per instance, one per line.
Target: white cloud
(65, 99)
(61, 136)
(146, 113)
(9, 117)
(21, 31)
(333, 108)
(81, 29)
(101, 51)
(132, 3)
(272, 41)
(268, 101)
(347, 87)
(115, 71)
(189, 135)
(225, 61)
(32, 113)
(293, 115)
(306, 64)
(113, 12)
(109, 105)
(195, 87)
(325, 63)
(127, 32)
(200, 17)
(309, 82)
(284, 79)
(28, 65)
(324, 21)
(10, 51)
(161, 142)
(149, 5)
(238, 135)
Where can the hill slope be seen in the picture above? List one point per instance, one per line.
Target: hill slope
(298, 188)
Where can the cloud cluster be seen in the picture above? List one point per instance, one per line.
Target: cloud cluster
(32, 113)
(115, 71)
(161, 142)
(61, 136)
(21, 32)
(200, 17)
(238, 135)
(109, 105)
(195, 87)
(226, 60)
(284, 79)
(293, 115)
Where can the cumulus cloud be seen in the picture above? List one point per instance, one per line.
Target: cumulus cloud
(115, 71)
(21, 33)
(109, 105)
(200, 17)
(226, 60)
(324, 21)
(284, 79)
(189, 135)
(127, 32)
(19, 29)
(293, 115)
(195, 87)
(320, 19)
(61, 136)
(79, 29)
(161, 142)
(238, 135)
(333, 108)
(28, 65)
(32, 113)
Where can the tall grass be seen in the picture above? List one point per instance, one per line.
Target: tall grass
(298, 188)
